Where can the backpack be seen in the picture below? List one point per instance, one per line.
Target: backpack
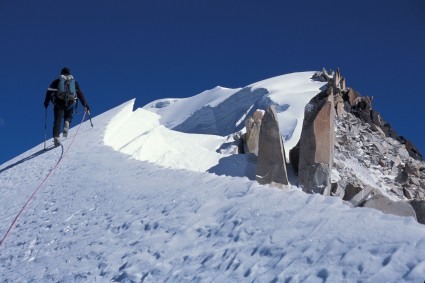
(66, 88)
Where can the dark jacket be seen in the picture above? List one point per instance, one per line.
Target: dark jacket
(51, 91)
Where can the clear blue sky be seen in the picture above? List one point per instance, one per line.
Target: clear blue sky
(119, 50)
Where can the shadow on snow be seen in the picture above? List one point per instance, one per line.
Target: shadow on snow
(34, 155)
(237, 165)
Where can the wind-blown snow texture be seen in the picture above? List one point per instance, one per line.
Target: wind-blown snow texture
(104, 216)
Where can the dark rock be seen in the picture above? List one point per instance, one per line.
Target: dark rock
(351, 191)
(397, 191)
(347, 106)
(315, 179)
(408, 193)
(411, 148)
(356, 196)
(326, 75)
(412, 169)
(271, 166)
(363, 103)
(351, 97)
(337, 190)
(342, 84)
(402, 177)
(387, 206)
(376, 118)
(294, 157)
(320, 76)
(389, 131)
(419, 207)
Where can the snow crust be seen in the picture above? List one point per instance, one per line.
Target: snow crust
(105, 217)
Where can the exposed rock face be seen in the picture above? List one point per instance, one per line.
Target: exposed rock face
(339, 105)
(345, 150)
(356, 194)
(419, 207)
(370, 158)
(253, 126)
(361, 152)
(271, 164)
(361, 107)
(316, 145)
(342, 84)
(351, 96)
(388, 206)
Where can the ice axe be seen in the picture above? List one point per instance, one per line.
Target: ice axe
(88, 112)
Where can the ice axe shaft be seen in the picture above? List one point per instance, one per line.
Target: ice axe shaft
(45, 129)
(91, 123)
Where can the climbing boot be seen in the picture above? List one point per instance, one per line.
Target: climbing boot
(65, 129)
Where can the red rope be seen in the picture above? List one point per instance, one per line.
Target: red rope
(42, 183)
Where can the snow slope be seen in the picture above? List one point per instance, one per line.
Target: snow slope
(105, 217)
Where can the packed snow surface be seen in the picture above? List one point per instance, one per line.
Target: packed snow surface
(104, 216)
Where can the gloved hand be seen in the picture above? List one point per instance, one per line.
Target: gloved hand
(46, 104)
(87, 107)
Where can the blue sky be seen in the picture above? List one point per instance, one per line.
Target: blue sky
(119, 50)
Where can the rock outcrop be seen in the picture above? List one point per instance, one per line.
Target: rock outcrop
(252, 136)
(316, 145)
(346, 150)
(271, 164)
(387, 206)
(419, 207)
(361, 152)
(370, 159)
(356, 194)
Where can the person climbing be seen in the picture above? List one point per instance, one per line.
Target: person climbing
(63, 92)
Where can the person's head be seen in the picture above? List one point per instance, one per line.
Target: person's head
(65, 71)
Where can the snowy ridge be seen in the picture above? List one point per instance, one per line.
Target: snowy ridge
(105, 217)
(175, 111)
(140, 135)
(201, 124)
(221, 111)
